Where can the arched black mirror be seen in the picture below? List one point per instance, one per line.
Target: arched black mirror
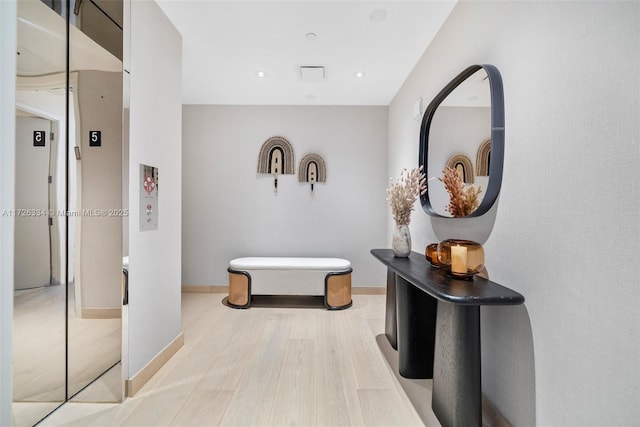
(463, 128)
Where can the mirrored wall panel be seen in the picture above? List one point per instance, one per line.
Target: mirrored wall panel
(95, 294)
(39, 340)
(68, 242)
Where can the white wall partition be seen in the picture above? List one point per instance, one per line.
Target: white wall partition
(230, 211)
(155, 139)
(567, 224)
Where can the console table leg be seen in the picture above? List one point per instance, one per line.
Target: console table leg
(416, 314)
(390, 321)
(457, 387)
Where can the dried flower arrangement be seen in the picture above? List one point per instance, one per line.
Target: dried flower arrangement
(403, 193)
(462, 201)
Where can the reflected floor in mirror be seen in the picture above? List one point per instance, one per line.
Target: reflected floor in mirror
(105, 389)
(39, 344)
(39, 361)
(267, 366)
(95, 347)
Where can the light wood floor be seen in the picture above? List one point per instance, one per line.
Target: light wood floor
(266, 366)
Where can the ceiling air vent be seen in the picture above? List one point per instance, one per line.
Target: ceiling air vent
(312, 73)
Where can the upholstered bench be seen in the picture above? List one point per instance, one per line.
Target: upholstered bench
(330, 277)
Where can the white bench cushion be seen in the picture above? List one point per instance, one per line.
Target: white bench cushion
(288, 275)
(290, 263)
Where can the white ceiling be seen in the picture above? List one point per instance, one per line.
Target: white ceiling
(226, 42)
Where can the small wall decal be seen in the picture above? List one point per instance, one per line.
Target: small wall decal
(276, 158)
(312, 169)
(95, 138)
(39, 138)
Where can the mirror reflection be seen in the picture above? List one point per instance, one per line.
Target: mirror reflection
(458, 133)
(95, 300)
(39, 382)
(68, 250)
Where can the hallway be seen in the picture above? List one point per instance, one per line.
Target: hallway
(266, 366)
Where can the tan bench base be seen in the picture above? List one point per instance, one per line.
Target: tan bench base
(239, 289)
(337, 289)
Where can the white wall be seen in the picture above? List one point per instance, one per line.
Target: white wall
(99, 261)
(567, 225)
(230, 211)
(155, 139)
(7, 180)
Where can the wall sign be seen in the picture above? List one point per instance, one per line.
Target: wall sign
(95, 138)
(39, 138)
(148, 198)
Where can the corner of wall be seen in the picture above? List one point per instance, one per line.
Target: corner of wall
(137, 381)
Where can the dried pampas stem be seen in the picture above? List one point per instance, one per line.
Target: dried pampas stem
(403, 193)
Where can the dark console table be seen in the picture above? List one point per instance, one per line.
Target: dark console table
(434, 323)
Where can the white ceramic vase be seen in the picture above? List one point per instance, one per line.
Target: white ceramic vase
(401, 241)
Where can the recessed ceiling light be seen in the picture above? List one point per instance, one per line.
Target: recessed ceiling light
(359, 74)
(261, 74)
(378, 15)
(311, 36)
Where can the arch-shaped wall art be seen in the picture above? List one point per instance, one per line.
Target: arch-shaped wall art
(276, 158)
(483, 159)
(463, 165)
(312, 169)
(307, 164)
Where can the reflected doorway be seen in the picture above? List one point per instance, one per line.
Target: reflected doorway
(37, 252)
(39, 341)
